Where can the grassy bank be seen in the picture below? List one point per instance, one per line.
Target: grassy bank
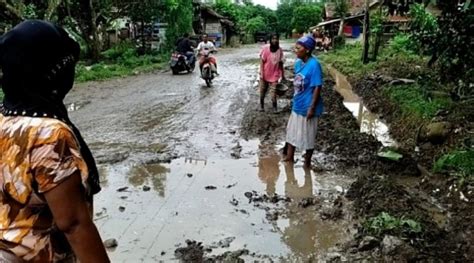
(120, 61)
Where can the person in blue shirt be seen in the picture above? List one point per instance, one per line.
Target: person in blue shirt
(307, 102)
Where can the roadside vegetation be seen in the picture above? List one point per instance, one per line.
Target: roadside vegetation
(384, 223)
(120, 61)
(432, 63)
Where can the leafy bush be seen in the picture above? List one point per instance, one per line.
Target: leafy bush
(458, 161)
(123, 49)
(384, 223)
(339, 41)
(423, 29)
(126, 64)
(401, 43)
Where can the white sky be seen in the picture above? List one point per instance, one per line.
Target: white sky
(268, 3)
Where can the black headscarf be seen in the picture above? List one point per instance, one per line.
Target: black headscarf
(274, 48)
(38, 61)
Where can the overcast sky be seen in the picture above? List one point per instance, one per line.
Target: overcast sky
(268, 3)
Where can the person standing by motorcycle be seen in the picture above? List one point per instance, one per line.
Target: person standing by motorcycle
(185, 47)
(207, 45)
(271, 70)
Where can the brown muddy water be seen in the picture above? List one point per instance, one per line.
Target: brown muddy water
(178, 207)
(152, 203)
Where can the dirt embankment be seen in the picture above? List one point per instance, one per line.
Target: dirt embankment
(386, 186)
(454, 239)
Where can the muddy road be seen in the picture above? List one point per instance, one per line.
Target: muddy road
(175, 167)
(193, 174)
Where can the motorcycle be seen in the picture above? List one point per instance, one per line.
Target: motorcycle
(179, 63)
(206, 73)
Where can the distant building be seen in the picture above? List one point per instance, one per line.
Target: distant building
(206, 20)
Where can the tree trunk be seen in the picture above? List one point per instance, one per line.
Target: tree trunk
(84, 14)
(52, 6)
(341, 27)
(96, 45)
(365, 51)
(378, 42)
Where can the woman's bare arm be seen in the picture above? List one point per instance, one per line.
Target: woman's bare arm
(71, 214)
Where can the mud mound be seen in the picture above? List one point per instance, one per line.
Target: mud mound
(339, 134)
(195, 252)
(373, 195)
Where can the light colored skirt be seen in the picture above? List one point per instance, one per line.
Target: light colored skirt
(300, 132)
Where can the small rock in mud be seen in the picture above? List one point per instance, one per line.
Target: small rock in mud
(210, 187)
(332, 213)
(122, 209)
(189, 175)
(229, 256)
(243, 211)
(225, 243)
(163, 253)
(193, 252)
(394, 246)
(110, 243)
(275, 198)
(231, 185)
(338, 202)
(236, 151)
(163, 158)
(102, 212)
(368, 243)
(234, 202)
(146, 188)
(249, 195)
(436, 132)
(333, 257)
(122, 189)
(272, 216)
(306, 202)
(124, 197)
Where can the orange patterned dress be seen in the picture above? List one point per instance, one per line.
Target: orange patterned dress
(36, 155)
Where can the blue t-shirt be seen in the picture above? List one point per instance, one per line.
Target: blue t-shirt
(308, 76)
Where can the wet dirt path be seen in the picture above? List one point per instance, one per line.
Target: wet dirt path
(151, 202)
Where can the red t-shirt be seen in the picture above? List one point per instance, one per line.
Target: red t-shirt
(271, 64)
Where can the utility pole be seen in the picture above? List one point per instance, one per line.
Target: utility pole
(365, 51)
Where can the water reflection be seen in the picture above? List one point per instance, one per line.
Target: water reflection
(369, 122)
(269, 171)
(301, 232)
(154, 174)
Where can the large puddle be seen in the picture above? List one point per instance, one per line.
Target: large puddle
(369, 122)
(165, 204)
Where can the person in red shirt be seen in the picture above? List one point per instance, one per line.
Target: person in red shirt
(271, 70)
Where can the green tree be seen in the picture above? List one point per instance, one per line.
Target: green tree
(305, 16)
(248, 17)
(255, 24)
(284, 14)
(179, 16)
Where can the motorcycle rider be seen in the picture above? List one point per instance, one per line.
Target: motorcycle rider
(185, 47)
(207, 45)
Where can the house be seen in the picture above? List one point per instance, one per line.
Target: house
(352, 22)
(207, 21)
